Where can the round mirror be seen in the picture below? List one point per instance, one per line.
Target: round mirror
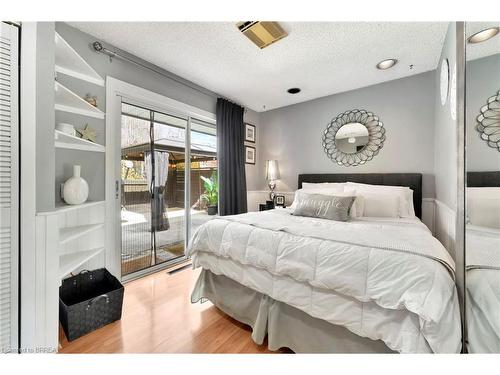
(351, 138)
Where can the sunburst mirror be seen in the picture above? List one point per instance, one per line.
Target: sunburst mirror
(353, 137)
(488, 122)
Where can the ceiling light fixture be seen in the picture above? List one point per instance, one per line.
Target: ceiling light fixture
(483, 35)
(293, 90)
(386, 64)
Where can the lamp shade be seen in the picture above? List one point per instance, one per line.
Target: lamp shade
(272, 170)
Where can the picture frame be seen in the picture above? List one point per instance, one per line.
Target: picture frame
(250, 133)
(280, 200)
(249, 155)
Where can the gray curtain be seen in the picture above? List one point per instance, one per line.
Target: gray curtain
(231, 157)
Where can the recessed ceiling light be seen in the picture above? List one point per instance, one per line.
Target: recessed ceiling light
(386, 64)
(483, 35)
(293, 90)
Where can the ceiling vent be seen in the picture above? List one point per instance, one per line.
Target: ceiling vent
(262, 33)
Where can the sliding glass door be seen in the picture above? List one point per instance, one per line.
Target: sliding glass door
(161, 193)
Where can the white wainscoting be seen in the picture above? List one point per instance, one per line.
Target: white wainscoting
(444, 226)
(438, 217)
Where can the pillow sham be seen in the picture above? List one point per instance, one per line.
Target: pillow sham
(322, 206)
(380, 204)
(321, 185)
(483, 206)
(406, 208)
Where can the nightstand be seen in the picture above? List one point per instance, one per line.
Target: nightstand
(269, 205)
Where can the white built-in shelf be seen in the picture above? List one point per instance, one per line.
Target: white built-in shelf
(70, 63)
(70, 262)
(63, 140)
(63, 208)
(67, 101)
(72, 233)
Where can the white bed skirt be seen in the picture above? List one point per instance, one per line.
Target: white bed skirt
(284, 325)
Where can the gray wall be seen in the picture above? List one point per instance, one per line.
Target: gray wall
(483, 81)
(292, 134)
(445, 132)
(45, 48)
(93, 164)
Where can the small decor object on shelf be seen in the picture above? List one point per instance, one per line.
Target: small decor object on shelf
(272, 174)
(249, 133)
(75, 189)
(488, 122)
(249, 155)
(88, 133)
(280, 200)
(66, 128)
(92, 100)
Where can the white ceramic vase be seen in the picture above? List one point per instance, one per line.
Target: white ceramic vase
(76, 189)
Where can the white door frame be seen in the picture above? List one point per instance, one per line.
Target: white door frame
(117, 90)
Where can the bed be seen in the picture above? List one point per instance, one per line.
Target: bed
(369, 285)
(483, 275)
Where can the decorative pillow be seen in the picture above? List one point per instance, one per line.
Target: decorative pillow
(323, 206)
(380, 204)
(406, 208)
(317, 190)
(356, 209)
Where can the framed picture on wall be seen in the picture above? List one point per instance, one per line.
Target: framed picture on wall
(250, 133)
(249, 155)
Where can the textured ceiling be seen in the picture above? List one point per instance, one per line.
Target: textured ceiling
(320, 58)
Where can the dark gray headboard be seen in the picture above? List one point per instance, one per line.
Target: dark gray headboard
(411, 180)
(483, 179)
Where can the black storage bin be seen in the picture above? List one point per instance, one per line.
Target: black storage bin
(89, 301)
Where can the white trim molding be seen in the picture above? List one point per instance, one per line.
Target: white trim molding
(444, 225)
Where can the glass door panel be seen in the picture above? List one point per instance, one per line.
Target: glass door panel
(135, 212)
(170, 153)
(203, 184)
(162, 195)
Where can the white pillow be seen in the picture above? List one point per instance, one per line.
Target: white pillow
(483, 206)
(321, 185)
(380, 204)
(406, 208)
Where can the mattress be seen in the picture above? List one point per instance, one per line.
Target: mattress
(383, 279)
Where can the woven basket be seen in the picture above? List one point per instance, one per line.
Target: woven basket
(89, 301)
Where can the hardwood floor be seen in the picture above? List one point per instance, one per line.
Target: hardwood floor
(158, 317)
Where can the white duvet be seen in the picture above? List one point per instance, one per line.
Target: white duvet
(483, 289)
(386, 279)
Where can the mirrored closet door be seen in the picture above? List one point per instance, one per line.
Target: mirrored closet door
(482, 218)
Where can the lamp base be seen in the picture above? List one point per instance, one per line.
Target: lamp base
(272, 186)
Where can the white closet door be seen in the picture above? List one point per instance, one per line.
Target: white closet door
(9, 178)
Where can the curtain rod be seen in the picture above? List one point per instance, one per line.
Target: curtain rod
(99, 48)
